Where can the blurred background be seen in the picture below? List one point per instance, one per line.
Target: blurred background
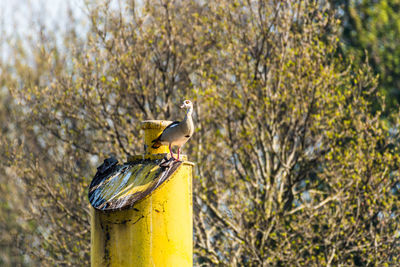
(296, 111)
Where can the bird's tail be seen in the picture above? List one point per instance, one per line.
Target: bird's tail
(156, 143)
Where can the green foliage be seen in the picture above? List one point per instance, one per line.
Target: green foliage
(10, 194)
(292, 167)
(371, 31)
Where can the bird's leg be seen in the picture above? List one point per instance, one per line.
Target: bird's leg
(170, 151)
(179, 150)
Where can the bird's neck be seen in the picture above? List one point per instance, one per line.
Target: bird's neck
(189, 113)
(188, 122)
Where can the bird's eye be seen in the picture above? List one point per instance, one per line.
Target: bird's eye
(187, 102)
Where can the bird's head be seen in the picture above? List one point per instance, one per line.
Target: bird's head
(187, 104)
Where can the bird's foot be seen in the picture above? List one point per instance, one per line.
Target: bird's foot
(172, 158)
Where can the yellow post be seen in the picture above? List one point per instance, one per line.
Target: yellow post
(157, 230)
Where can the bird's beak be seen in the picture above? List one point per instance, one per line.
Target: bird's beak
(183, 106)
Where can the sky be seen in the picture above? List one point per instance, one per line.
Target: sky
(16, 17)
(15, 14)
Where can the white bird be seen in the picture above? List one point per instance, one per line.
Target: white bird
(177, 133)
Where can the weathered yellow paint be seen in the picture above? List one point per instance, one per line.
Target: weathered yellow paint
(157, 230)
(152, 129)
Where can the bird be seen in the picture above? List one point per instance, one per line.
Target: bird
(178, 132)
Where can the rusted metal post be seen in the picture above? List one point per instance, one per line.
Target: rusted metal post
(142, 213)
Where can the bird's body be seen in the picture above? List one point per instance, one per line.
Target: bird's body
(177, 133)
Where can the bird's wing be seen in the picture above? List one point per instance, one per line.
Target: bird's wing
(171, 125)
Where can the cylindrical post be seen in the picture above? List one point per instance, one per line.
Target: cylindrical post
(152, 129)
(157, 230)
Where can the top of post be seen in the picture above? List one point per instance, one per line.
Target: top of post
(155, 124)
(117, 186)
(152, 130)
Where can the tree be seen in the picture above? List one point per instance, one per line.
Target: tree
(10, 191)
(292, 168)
(371, 32)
